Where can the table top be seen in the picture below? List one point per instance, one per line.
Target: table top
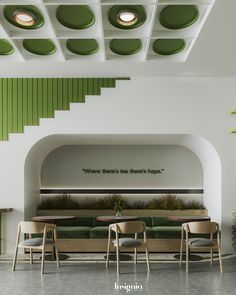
(52, 218)
(117, 218)
(189, 218)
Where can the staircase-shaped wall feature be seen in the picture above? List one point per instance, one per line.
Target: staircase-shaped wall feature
(23, 101)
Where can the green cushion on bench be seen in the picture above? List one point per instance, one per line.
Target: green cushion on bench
(73, 232)
(146, 220)
(167, 232)
(164, 221)
(79, 221)
(99, 232)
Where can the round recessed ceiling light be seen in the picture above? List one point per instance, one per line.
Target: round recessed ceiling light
(127, 17)
(24, 18)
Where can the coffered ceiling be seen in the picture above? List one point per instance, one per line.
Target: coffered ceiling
(100, 30)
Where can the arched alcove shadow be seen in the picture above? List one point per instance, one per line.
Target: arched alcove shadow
(206, 153)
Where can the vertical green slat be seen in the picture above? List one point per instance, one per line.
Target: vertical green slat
(80, 90)
(54, 90)
(45, 99)
(14, 105)
(59, 93)
(20, 125)
(9, 104)
(4, 109)
(70, 90)
(50, 101)
(1, 109)
(75, 90)
(30, 101)
(66, 105)
(35, 102)
(40, 97)
(90, 86)
(25, 102)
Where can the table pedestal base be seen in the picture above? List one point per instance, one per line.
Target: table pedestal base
(123, 257)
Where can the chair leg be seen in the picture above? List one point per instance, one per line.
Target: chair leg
(147, 258)
(181, 253)
(117, 260)
(220, 260)
(42, 262)
(108, 254)
(57, 256)
(31, 256)
(211, 257)
(14, 259)
(135, 255)
(187, 257)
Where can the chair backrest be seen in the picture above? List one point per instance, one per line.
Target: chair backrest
(202, 227)
(31, 227)
(131, 227)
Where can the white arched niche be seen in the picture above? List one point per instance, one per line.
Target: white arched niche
(200, 147)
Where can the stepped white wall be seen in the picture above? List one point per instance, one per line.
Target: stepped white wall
(149, 106)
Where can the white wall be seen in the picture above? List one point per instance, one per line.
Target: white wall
(64, 167)
(148, 106)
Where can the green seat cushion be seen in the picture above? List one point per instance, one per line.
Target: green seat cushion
(146, 220)
(79, 221)
(164, 221)
(100, 232)
(101, 223)
(73, 232)
(167, 232)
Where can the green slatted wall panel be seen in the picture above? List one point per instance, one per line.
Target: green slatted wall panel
(23, 101)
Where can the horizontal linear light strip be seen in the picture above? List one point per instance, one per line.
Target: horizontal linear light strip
(122, 191)
(23, 101)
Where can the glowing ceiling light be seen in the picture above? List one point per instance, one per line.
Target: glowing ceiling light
(24, 18)
(127, 18)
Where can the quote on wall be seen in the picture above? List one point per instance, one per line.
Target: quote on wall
(149, 171)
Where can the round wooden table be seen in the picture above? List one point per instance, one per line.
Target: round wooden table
(117, 219)
(189, 218)
(53, 219)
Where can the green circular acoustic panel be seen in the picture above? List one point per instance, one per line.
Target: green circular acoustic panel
(76, 17)
(24, 16)
(5, 47)
(178, 16)
(39, 46)
(127, 16)
(126, 46)
(168, 46)
(82, 46)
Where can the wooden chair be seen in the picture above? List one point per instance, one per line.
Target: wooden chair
(30, 227)
(131, 227)
(201, 227)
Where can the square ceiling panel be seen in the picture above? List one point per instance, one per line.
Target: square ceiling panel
(100, 30)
